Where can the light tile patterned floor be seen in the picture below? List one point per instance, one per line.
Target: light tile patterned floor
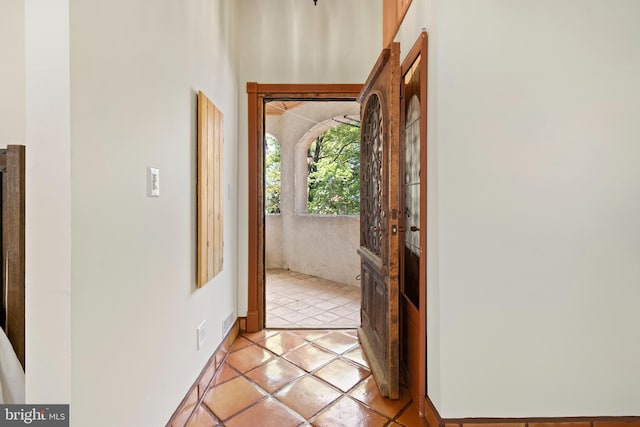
(296, 300)
(295, 378)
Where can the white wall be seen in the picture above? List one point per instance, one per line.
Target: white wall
(48, 202)
(136, 67)
(538, 207)
(291, 41)
(12, 78)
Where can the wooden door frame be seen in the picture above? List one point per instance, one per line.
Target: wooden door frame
(420, 50)
(258, 95)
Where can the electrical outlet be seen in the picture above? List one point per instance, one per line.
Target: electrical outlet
(201, 333)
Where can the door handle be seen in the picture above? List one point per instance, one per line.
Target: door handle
(401, 229)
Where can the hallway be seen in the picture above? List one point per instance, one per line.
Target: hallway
(298, 378)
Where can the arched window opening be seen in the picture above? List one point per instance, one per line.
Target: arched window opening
(271, 175)
(333, 179)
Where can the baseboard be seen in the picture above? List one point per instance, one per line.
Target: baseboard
(196, 391)
(435, 420)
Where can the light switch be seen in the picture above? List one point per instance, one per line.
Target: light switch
(153, 182)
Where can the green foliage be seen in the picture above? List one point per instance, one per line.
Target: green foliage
(272, 176)
(334, 172)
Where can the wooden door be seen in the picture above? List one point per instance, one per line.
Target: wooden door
(379, 219)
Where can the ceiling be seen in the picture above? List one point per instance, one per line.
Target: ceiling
(277, 108)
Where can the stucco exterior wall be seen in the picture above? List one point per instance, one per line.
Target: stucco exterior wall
(273, 241)
(318, 245)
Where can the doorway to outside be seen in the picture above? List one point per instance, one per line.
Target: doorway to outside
(312, 213)
(260, 98)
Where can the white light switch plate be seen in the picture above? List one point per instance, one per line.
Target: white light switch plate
(153, 182)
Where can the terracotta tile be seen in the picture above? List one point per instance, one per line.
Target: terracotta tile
(282, 343)
(307, 396)
(231, 397)
(249, 358)
(367, 392)
(258, 336)
(224, 374)
(275, 374)
(357, 356)
(338, 342)
(206, 378)
(309, 357)
(270, 412)
(394, 424)
(411, 418)
(226, 345)
(202, 418)
(240, 343)
(219, 356)
(347, 412)
(187, 409)
(342, 374)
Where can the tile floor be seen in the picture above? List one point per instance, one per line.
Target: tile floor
(296, 300)
(290, 378)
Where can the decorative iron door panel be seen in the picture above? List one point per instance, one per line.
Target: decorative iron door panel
(379, 219)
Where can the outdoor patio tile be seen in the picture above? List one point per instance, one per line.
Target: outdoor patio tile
(296, 300)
